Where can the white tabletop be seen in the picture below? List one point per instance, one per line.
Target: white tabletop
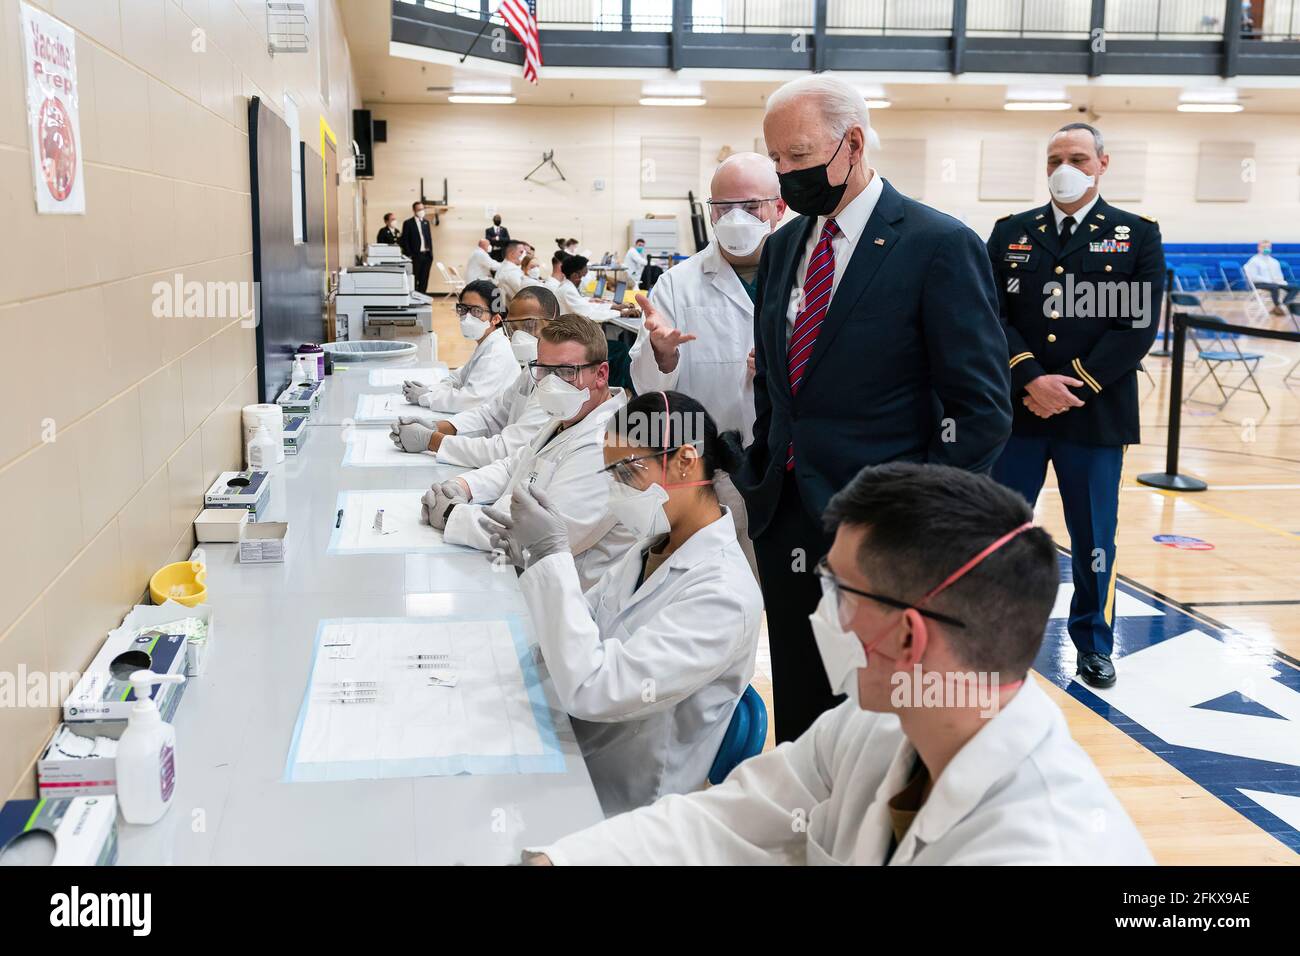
(234, 723)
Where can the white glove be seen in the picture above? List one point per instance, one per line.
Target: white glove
(411, 434)
(437, 501)
(412, 391)
(533, 530)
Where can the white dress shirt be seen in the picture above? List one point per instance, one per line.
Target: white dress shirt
(1079, 214)
(852, 220)
(1262, 268)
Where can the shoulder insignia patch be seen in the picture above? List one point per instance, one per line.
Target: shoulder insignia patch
(1149, 218)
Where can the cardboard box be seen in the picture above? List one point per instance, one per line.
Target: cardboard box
(295, 433)
(102, 700)
(220, 525)
(300, 399)
(74, 765)
(84, 830)
(264, 543)
(247, 490)
(160, 615)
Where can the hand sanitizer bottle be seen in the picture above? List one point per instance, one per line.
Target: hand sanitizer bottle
(261, 452)
(146, 754)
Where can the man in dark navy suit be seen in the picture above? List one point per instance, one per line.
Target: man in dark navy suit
(1080, 283)
(417, 242)
(876, 339)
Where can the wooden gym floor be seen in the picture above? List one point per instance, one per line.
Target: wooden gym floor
(1186, 799)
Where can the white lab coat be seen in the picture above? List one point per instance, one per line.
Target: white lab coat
(704, 296)
(480, 266)
(634, 263)
(573, 301)
(567, 466)
(495, 429)
(650, 674)
(490, 369)
(1020, 792)
(1262, 268)
(510, 279)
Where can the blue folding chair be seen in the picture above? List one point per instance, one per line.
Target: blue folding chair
(1190, 278)
(1220, 357)
(744, 738)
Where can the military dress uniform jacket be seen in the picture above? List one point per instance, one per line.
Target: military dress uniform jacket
(1089, 311)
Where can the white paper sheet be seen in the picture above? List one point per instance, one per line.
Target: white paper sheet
(383, 407)
(485, 714)
(396, 376)
(374, 448)
(403, 531)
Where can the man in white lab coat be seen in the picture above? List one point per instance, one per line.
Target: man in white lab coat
(510, 277)
(698, 333)
(634, 262)
(564, 459)
(503, 425)
(936, 592)
(481, 265)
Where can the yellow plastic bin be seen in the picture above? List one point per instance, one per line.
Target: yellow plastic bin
(182, 582)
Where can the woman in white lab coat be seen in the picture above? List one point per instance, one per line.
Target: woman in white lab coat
(489, 370)
(651, 660)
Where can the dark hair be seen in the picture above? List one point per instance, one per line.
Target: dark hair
(922, 523)
(513, 243)
(1097, 141)
(416, 203)
(559, 257)
(388, 216)
(644, 422)
(496, 220)
(573, 265)
(486, 290)
(578, 328)
(636, 240)
(544, 297)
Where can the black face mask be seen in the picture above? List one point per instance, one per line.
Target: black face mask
(809, 191)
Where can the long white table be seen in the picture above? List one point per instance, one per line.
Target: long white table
(235, 722)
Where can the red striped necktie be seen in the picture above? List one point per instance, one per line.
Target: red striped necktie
(817, 283)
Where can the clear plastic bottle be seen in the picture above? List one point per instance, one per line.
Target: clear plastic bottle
(146, 754)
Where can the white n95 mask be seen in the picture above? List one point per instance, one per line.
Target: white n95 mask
(559, 399)
(524, 346)
(473, 328)
(1068, 183)
(535, 273)
(841, 652)
(641, 512)
(740, 233)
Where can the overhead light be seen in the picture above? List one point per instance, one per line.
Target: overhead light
(481, 98)
(673, 101)
(1210, 107)
(1036, 105)
(879, 104)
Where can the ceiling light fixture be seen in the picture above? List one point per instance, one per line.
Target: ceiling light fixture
(484, 99)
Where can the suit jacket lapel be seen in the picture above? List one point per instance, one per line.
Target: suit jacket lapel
(1098, 216)
(877, 239)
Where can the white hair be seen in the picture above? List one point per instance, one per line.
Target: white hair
(842, 107)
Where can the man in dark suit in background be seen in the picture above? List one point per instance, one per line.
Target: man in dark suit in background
(417, 243)
(389, 235)
(498, 235)
(876, 339)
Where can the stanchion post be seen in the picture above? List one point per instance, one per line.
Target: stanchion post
(1170, 479)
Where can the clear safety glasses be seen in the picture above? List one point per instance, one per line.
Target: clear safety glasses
(755, 207)
(846, 604)
(565, 373)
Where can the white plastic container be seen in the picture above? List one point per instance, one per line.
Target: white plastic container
(302, 371)
(269, 414)
(263, 450)
(146, 755)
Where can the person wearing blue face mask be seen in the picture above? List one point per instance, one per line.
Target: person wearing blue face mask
(1266, 273)
(651, 660)
(934, 598)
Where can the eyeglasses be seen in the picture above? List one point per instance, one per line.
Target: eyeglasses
(752, 206)
(527, 324)
(627, 470)
(837, 590)
(475, 310)
(565, 373)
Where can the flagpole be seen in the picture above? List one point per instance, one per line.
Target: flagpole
(478, 36)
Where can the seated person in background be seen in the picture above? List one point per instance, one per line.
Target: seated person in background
(510, 277)
(564, 458)
(634, 261)
(501, 426)
(554, 280)
(678, 613)
(936, 592)
(532, 271)
(572, 299)
(389, 234)
(1266, 273)
(490, 369)
(481, 265)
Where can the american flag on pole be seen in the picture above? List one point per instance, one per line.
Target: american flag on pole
(521, 18)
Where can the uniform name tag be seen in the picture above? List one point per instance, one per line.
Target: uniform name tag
(1108, 245)
(1015, 257)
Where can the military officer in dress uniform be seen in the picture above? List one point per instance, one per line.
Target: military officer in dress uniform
(1081, 285)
